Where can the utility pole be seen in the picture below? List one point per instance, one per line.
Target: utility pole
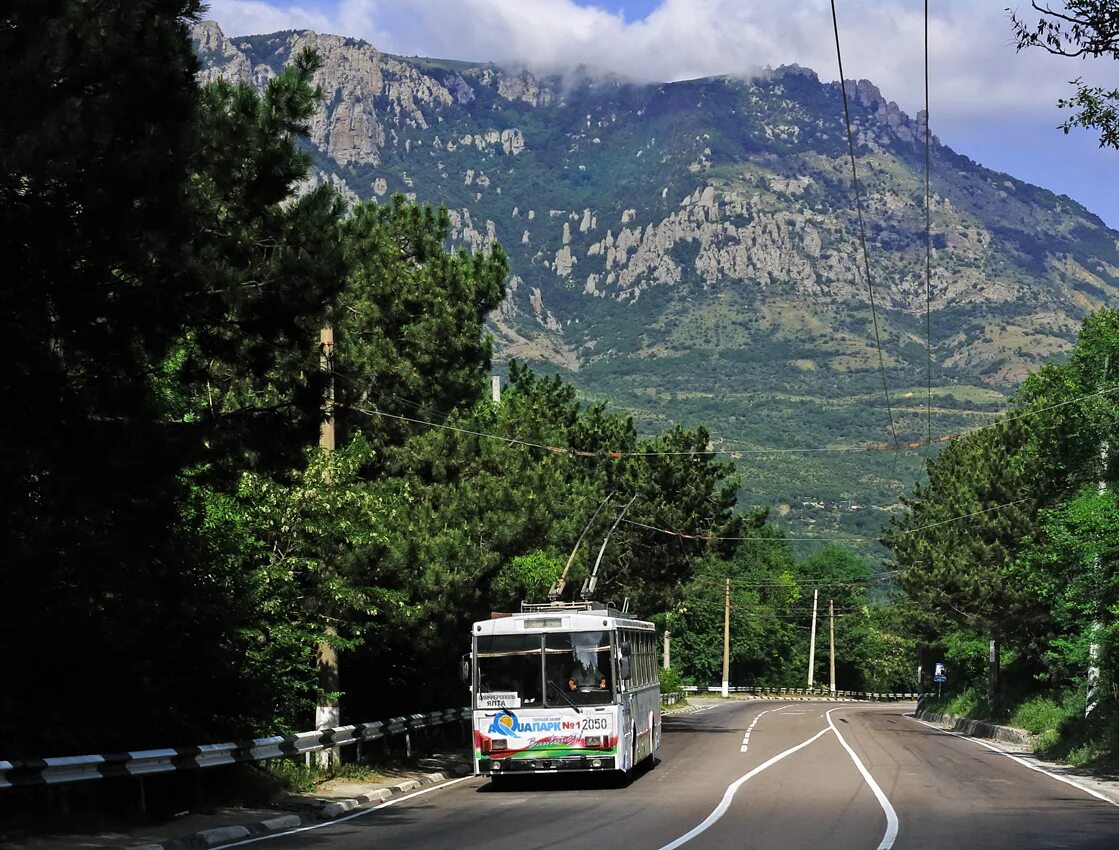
(327, 714)
(831, 619)
(495, 388)
(993, 673)
(812, 641)
(1091, 698)
(667, 649)
(726, 643)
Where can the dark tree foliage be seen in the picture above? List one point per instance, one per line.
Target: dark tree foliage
(1083, 29)
(159, 313)
(1031, 562)
(99, 113)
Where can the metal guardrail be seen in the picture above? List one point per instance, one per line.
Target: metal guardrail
(65, 769)
(819, 692)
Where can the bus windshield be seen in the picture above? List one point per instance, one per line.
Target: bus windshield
(557, 669)
(509, 670)
(578, 668)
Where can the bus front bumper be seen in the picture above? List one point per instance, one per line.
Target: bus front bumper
(496, 767)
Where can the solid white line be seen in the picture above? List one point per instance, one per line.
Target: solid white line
(728, 795)
(1023, 762)
(357, 814)
(891, 833)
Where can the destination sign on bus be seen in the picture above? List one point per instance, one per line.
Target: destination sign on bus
(499, 699)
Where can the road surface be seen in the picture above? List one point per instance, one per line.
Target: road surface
(756, 776)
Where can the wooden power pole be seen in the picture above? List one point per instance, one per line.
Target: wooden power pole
(327, 714)
(831, 621)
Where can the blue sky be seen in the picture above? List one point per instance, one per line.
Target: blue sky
(988, 102)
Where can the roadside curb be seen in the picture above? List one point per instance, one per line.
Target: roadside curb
(304, 810)
(978, 728)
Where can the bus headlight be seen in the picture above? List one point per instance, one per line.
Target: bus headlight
(498, 744)
(593, 741)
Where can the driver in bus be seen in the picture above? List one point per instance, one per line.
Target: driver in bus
(583, 678)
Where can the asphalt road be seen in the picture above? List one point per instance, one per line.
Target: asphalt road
(791, 783)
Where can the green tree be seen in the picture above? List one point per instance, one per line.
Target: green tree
(1082, 29)
(410, 325)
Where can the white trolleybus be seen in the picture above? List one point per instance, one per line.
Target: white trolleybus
(564, 686)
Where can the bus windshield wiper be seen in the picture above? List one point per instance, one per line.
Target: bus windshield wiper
(566, 698)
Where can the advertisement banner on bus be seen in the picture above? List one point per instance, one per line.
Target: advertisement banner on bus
(508, 733)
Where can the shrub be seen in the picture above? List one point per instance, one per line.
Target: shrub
(671, 681)
(1038, 715)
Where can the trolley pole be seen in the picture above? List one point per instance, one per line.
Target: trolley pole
(812, 641)
(726, 643)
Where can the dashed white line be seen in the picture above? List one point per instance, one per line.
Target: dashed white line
(746, 738)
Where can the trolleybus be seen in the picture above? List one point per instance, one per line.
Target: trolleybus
(564, 686)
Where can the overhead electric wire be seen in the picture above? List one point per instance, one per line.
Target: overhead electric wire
(862, 226)
(714, 537)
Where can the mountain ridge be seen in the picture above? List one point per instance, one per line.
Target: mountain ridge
(690, 249)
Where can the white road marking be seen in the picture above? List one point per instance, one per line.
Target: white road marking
(356, 814)
(1024, 763)
(891, 833)
(728, 795)
(754, 722)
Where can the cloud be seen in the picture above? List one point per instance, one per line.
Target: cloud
(253, 17)
(976, 74)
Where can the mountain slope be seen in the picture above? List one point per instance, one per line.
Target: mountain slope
(690, 250)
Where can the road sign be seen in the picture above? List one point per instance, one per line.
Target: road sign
(940, 678)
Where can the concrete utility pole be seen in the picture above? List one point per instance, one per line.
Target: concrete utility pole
(812, 642)
(667, 648)
(726, 643)
(327, 714)
(1092, 697)
(495, 388)
(831, 618)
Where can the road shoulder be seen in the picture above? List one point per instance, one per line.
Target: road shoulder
(1017, 748)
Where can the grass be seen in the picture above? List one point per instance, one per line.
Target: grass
(296, 776)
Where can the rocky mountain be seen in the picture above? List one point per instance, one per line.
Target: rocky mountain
(690, 250)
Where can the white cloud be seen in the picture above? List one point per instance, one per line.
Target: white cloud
(976, 74)
(254, 17)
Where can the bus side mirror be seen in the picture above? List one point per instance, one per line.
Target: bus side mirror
(465, 672)
(624, 669)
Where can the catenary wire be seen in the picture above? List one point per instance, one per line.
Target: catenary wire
(862, 226)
